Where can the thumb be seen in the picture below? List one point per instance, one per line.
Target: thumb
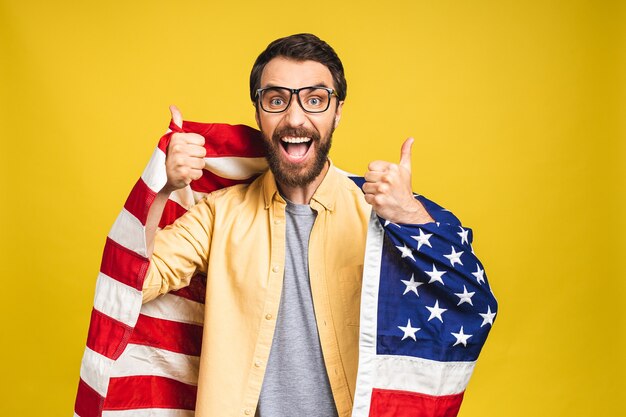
(405, 154)
(176, 116)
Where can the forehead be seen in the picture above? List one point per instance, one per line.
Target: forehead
(285, 72)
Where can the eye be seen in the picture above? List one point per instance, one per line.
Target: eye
(276, 101)
(314, 101)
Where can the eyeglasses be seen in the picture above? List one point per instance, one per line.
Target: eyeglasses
(311, 99)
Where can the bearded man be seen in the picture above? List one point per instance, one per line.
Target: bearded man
(283, 255)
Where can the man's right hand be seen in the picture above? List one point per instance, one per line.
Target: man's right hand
(185, 157)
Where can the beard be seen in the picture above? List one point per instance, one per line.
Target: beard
(296, 174)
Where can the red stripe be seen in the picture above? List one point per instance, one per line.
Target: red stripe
(211, 182)
(88, 401)
(139, 200)
(149, 392)
(170, 335)
(171, 212)
(391, 403)
(223, 139)
(195, 291)
(107, 336)
(123, 265)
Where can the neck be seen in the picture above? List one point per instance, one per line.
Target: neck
(303, 194)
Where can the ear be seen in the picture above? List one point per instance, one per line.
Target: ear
(338, 113)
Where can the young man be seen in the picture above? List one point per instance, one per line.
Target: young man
(284, 255)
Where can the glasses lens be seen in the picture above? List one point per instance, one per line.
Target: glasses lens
(275, 99)
(314, 100)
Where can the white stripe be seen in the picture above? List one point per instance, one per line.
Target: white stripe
(234, 167)
(129, 232)
(147, 360)
(175, 308)
(117, 300)
(76, 415)
(197, 196)
(406, 373)
(95, 370)
(184, 197)
(368, 320)
(154, 175)
(149, 412)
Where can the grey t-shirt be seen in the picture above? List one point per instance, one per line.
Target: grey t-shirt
(296, 382)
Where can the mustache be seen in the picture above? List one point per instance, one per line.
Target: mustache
(296, 133)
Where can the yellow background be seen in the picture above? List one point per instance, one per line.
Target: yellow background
(518, 109)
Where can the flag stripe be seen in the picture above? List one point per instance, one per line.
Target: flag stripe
(366, 376)
(171, 212)
(106, 335)
(387, 403)
(174, 307)
(235, 168)
(128, 232)
(211, 182)
(140, 360)
(123, 265)
(139, 201)
(88, 401)
(147, 391)
(223, 139)
(195, 291)
(95, 371)
(169, 335)
(155, 176)
(404, 373)
(116, 299)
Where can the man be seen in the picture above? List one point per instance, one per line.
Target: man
(284, 255)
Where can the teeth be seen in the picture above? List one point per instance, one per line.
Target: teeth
(296, 140)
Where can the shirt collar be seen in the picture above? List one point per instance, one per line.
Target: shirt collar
(324, 195)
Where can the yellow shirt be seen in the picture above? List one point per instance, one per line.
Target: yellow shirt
(237, 237)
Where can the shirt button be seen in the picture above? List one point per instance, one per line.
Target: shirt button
(277, 221)
(268, 317)
(275, 268)
(257, 364)
(247, 411)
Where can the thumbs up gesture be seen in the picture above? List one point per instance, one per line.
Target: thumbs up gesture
(388, 189)
(185, 156)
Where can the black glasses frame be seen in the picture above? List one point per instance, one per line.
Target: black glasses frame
(295, 91)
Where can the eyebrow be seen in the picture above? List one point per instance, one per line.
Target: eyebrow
(320, 84)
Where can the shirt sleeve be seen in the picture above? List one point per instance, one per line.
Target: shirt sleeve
(180, 250)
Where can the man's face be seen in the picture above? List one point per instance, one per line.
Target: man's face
(297, 142)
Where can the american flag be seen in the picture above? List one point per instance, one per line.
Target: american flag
(426, 306)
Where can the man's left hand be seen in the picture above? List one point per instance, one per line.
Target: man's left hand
(388, 189)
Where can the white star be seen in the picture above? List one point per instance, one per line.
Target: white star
(479, 274)
(435, 311)
(422, 239)
(454, 257)
(411, 285)
(465, 297)
(461, 337)
(409, 331)
(435, 275)
(463, 233)
(406, 251)
(488, 317)
(387, 223)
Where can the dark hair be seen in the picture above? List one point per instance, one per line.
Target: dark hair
(300, 47)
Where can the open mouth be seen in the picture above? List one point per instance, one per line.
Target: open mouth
(296, 148)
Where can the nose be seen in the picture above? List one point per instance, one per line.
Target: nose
(295, 116)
